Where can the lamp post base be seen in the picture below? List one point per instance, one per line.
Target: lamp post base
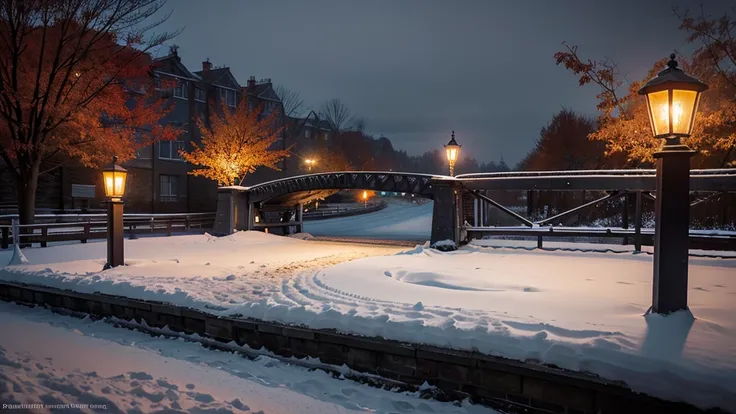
(115, 254)
(672, 222)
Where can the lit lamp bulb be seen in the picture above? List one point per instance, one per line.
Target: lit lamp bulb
(672, 102)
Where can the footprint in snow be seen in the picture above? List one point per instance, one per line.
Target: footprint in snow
(387, 273)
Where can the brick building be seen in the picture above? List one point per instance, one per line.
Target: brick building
(158, 178)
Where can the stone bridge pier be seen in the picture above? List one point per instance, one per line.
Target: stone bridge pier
(236, 206)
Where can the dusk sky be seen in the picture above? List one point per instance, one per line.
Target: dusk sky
(416, 70)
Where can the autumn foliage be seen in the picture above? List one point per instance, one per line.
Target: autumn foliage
(623, 122)
(75, 86)
(235, 144)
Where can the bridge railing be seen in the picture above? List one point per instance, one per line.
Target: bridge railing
(84, 227)
(620, 191)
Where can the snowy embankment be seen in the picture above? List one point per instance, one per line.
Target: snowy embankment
(106, 369)
(581, 311)
(400, 220)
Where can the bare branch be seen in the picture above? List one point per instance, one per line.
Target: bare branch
(291, 99)
(337, 114)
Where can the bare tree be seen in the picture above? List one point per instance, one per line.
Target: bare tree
(291, 99)
(336, 113)
(359, 124)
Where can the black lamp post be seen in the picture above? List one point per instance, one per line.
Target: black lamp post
(672, 101)
(114, 177)
(453, 151)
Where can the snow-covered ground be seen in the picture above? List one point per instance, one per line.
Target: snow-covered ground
(60, 360)
(400, 220)
(578, 310)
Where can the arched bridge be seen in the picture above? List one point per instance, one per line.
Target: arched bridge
(237, 206)
(292, 190)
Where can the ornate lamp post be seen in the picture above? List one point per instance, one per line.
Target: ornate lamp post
(453, 151)
(114, 178)
(672, 101)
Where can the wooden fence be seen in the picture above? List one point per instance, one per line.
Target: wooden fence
(83, 227)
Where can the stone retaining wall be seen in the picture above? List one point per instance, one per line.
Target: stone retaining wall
(501, 383)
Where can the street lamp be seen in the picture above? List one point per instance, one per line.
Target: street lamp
(453, 151)
(310, 162)
(114, 178)
(365, 199)
(672, 101)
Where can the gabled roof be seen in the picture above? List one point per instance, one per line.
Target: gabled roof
(220, 77)
(172, 64)
(265, 91)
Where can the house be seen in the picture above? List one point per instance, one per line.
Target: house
(158, 180)
(308, 137)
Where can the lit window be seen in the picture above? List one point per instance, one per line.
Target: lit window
(168, 188)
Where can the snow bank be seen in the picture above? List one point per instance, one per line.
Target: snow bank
(155, 374)
(581, 311)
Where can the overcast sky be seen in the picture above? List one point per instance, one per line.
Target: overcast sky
(417, 69)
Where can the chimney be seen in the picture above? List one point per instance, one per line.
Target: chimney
(206, 65)
(174, 50)
(251, 83)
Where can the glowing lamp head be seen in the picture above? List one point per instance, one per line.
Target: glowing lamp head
(365, 195)
(672, 101)
(452, 149)
(114, 177)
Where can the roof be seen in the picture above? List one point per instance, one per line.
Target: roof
(264, 91)
(176, 62)
(219, 76)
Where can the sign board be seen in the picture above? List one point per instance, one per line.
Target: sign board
(83, 191)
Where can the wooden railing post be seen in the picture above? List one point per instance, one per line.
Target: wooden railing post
(153, 225)
(186, 223)
(44, 236)
(86, 231)
(637, 221)
(5, 239)
(168, 226)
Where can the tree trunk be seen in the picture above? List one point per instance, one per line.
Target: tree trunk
(26, 185)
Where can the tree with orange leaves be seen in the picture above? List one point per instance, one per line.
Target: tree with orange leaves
(235, 144)
(75, 83)
(624, 120)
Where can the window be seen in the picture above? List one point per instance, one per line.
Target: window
(169, 150)
(327, 136)
(157, 82)
(227, 96)
(181, 89)
(168, 188)
(307, 133)
(199, 95)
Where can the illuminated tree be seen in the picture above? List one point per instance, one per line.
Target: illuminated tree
(75, 82)
(624, 123)
(235, 144)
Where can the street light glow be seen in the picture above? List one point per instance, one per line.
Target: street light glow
(672, 101)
